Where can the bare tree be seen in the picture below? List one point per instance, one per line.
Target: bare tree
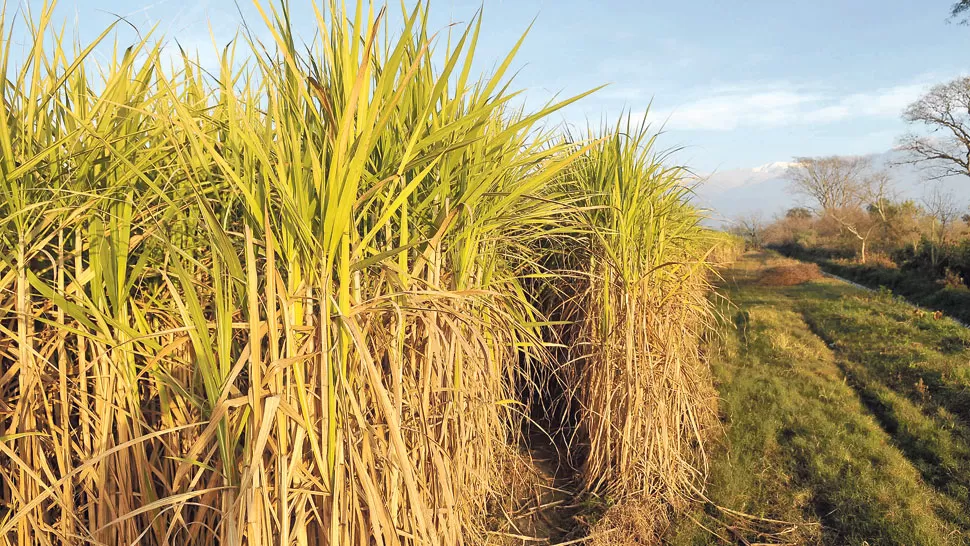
(881, 195)
(751, 228)
(877, 190)
(860, 225)
(942, 207)
(839, 186)
(831, 183)
(945, 111)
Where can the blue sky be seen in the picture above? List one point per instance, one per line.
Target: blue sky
(739, 83)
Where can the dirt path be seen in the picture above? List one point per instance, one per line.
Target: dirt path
(553, 512)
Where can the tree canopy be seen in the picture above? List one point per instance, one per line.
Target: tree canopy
(832, 183)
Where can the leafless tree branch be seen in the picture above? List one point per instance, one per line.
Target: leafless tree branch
(945, 112)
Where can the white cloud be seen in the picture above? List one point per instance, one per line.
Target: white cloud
(768, 105)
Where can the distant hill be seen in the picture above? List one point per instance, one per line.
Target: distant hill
(764, 189)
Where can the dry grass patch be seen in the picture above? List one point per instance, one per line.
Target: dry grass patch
(790, 274)
(632, 523)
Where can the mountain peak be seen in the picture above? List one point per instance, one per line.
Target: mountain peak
(773, 166)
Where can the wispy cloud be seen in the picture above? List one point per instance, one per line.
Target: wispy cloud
(767, 105)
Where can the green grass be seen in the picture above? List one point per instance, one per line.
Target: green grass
(911, 372)
(844, 420)
(919, 285)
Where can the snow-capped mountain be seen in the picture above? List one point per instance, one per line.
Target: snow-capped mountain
(764, 189)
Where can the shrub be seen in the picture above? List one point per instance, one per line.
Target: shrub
(881, 259)
(952, 279)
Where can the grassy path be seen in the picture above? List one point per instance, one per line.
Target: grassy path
(846, 419)
(917, 286)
